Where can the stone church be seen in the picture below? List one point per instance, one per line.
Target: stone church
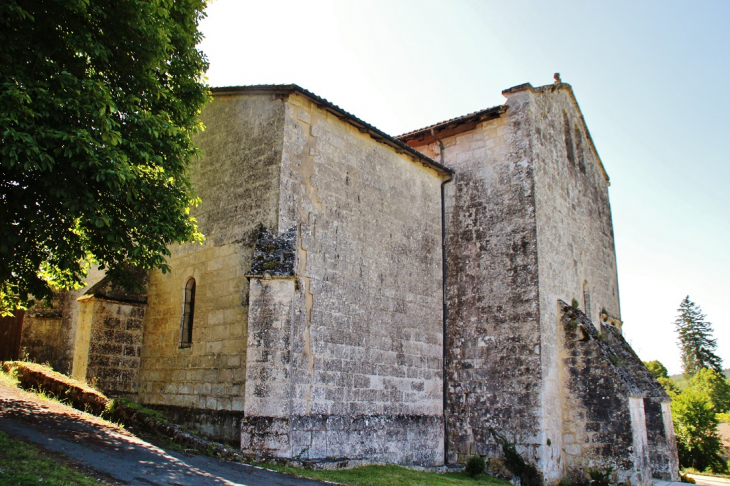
(376, 299)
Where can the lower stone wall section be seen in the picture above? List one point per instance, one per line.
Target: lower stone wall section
(114, 347)
(399, 439)
(218, 425)
(45, 340)
(614, 412)
(660, 435)
(47, 336)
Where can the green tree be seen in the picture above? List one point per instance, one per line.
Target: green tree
(657, 369)
(695, 426)
(661, 374)
(715, 386)
(669, 385)
(98, 103)
(695, 339)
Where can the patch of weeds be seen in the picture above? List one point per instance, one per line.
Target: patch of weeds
(600, 477)
(575, 304)
(122, 406)
(93, 383)
(475, 466)
(173, 445)
(683, 478)
(298, 457)
(616, 361)
(571, 325)
(270, 265)
(528, 474)
(9, 378)
(568, 482)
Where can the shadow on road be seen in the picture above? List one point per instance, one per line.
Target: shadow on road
(118, 453)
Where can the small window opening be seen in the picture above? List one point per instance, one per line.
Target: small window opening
(569, 147)
(186, 324)
(579, 149)
(587, 299)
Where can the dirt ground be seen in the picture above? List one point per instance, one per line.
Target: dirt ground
(116, 456)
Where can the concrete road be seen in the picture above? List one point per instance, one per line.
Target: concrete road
(117, 453)
(708, 480)
(701, 480)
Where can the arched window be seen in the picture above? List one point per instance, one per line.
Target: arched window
(186, 323)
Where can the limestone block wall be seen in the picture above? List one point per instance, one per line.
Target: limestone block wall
(237, 180)
(366, 329)
(661, 440)
(597, 431)
(268, 368)
(574, 235)
(44, 338)
(615, 415)
(493, 341)
(114, 350)
(49, 332)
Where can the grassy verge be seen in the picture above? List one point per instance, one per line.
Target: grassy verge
(23, 464)
(691, 470)
(8, 379)
(381, 475)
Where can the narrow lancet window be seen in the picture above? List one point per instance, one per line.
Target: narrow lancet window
(186, 323)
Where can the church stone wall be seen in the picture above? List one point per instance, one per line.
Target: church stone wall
(366, 329)
(574, 240)
(238, 182)
(493, 342)
(114, 349)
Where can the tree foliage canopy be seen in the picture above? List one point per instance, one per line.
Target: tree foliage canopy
(98, 104)
(695, 339)
(657, 369)
(695, 426)
(715, 386)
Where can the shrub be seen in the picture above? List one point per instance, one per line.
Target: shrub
(475, 466)
(528, 474)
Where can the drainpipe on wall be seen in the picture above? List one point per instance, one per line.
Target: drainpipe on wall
(445, 307)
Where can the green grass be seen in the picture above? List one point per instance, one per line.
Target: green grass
(381, 475)
(8, 379)
(23, 464)
(152, 414)
(708, 472)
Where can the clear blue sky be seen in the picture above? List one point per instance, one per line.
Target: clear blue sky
(649, 76)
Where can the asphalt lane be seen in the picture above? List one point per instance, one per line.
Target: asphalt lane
(119, 454)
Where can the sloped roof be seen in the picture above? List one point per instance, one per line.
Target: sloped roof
(375, 133)
(454, 125)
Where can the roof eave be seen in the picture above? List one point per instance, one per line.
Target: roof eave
(362, 126)
(455, 125)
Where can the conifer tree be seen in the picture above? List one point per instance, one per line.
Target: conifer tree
(695, 339)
